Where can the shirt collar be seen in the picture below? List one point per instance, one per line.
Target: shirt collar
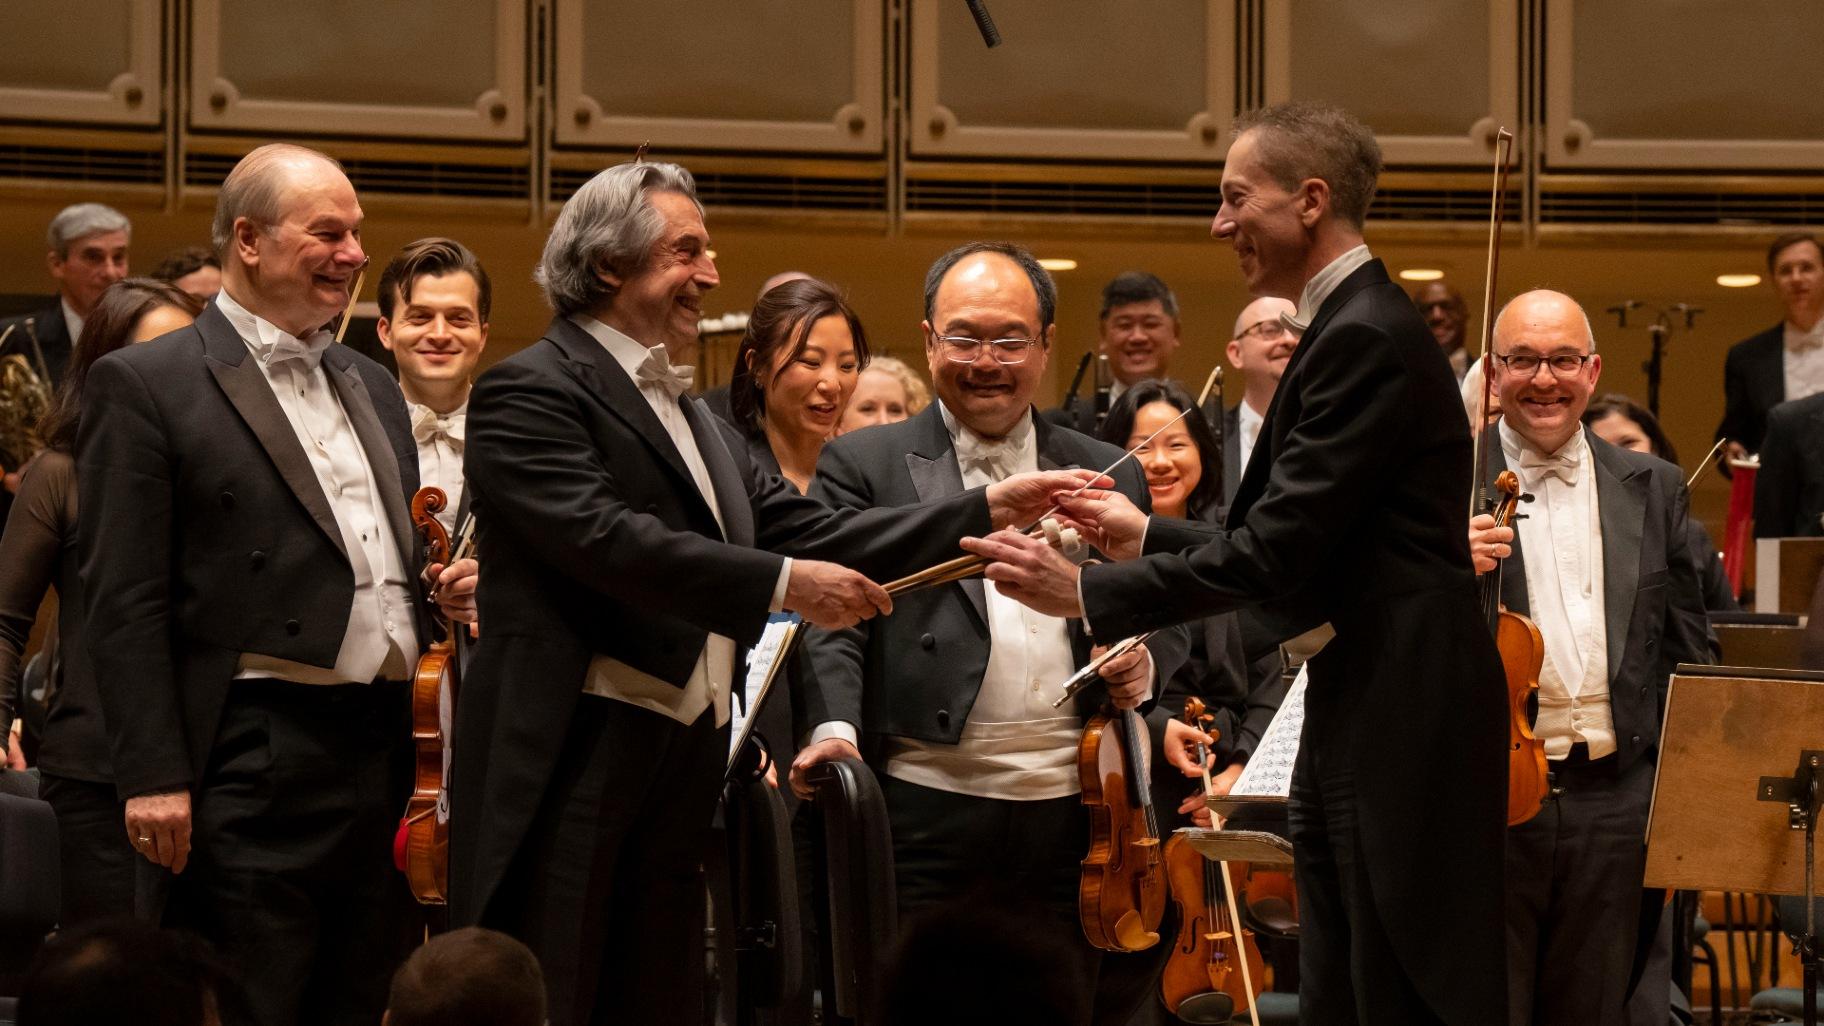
(1512, 446)
(259, 334)
(626, 350)
(1322, 284)
(1247, 417)
(968, 443)
(1796, 341)
(72, 321)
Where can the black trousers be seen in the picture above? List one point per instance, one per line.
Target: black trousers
(1573, 899)
(93, 854)
(607, 888)
(1348, 972)
(291, 871)
(1024, 857)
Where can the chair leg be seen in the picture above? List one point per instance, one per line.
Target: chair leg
(1716, 982)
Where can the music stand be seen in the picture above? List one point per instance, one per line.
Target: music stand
(1239, 846)
(1728, 812)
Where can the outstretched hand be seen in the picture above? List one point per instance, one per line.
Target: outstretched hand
(1024, 498)
(1108, 520)
(1030, 572)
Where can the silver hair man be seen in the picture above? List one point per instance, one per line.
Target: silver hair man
(608, 225)
(81, 220)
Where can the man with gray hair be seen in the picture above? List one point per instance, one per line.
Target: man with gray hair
(256, 608)
(627, 535)
(86, 251)
(1349, 517)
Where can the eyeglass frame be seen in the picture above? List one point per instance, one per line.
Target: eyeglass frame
(1263, 322)
(947, 344)
(1507, 364)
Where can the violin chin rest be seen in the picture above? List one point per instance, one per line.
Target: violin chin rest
(1131, 935)
(1211, 1006)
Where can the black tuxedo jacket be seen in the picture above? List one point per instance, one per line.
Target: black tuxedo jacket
(1652, 587)
(597, 542)
(1352, 512)
(1789, 489)
(1231, 453)
(203, 533)
(1754, 381)
(53, 337)
(916, 674)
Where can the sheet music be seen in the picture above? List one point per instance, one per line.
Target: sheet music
(1268, 773)
(762, 665)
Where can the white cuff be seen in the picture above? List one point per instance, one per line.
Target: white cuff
(835, 728)
(785, 578)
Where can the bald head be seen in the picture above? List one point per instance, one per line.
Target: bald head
(288, 232)
(1264, 308)
(256, 188)
(780, 279)
(1261, 347)
(1531, 315)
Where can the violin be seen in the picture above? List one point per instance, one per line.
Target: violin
(1516, 637)
(1212, 971)
(1522, 655)
(1121, 892)
(422, 850)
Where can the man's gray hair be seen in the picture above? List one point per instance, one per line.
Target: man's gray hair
(1302, 139)
(608, 225)
(81, 220)
(255, 190)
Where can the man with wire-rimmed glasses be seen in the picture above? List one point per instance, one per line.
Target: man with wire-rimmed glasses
(1262, 345)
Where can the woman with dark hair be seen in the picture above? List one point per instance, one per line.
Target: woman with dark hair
(38, 552)
(1183, 467)
(1624, 423)
(794, 373)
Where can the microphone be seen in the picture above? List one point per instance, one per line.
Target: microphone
(990, 35)
(1620, 310)
(1076, 380)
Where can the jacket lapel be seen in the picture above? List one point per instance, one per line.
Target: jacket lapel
(1621, 495)
(608, 384)
(731, 491)
(245, 385)
(935, 475)
(359, 405)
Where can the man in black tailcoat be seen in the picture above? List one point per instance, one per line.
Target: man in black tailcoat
(1350, 516)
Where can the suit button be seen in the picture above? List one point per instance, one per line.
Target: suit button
(256, 559)
(227, 500)
(943, 718)
(1650, 641)
(292, 627)
(1643, 691)
(1635, 738)
(927, 642)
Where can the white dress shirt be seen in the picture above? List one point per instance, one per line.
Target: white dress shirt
(1322, 284)
(1804, 361)
(382, 640)
(711, 678)
(439, 438)
(1561, 542)
(1247, 432)
(72, 321)
(1014, 745)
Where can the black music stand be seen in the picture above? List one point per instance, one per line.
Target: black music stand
(1725, 807)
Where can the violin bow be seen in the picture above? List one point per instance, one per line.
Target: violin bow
(1228, 892)
(1504, 144)
(354, 296)
(964, 567)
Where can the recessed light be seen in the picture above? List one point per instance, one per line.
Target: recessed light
(1058, 264)
(1421, 274)
(1738, 281)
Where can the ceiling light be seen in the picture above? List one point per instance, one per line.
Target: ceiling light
(1738, 281)
(1058, 264)
(1421, 274)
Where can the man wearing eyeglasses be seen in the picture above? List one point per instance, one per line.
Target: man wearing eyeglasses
(1262, 346)
(951, 696)
(1600, 564)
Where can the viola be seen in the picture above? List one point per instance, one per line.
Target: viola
(1121, 892)
(1215, 967)
(1522, 655)
(423, 848)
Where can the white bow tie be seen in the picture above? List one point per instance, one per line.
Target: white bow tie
(427, 425)
(308, 350)
(1561, 465)
(657, 369)
(1000, 458)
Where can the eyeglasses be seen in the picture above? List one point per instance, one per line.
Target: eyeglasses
(963, 349)
(1270, 330)
(1525, 365)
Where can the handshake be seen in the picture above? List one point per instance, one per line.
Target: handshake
(1026, 569)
